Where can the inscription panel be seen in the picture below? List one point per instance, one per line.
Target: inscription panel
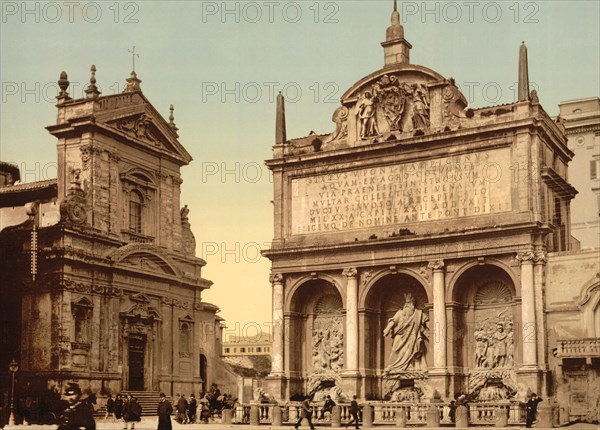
(437, 189)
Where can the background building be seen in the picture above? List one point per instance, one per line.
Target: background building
(582, 124)
(100, 283)
(244, 345)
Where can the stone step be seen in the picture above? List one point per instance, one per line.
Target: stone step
(148, 400)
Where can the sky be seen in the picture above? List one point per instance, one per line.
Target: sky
(221, 64)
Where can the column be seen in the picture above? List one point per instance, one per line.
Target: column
(276, 280)
(528, 331)
(439, 315)
(351, 318)
(539, 261)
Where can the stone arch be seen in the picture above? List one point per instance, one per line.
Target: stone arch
(153, 257)
(589, 303)
(294, 286)
(451, 281)
(366, 286)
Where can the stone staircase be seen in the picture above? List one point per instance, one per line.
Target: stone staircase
(148, 400)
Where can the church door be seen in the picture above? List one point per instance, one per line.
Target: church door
(137, 346)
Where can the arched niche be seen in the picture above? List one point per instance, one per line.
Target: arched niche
(384, 298)
(316, 328)
(485, 331)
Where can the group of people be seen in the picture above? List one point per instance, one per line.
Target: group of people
(306, 412)
(124, 407)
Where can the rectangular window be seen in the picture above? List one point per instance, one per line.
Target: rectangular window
(227, 350)
(594, 169)
(242, 349)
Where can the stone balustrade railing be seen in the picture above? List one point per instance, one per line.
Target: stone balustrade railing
(386, 413)
(583, 347)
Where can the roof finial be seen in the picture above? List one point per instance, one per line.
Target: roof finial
(133, 55)
(172, 118)
(63, 84)
(523, 74)
(92, 90)
(396, 16)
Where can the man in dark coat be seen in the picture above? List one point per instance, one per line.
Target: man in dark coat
(118, 406)
(164, 413)
(182, 409)
(110, 407)
(78, 414)
(133, 412)
(531, 409)
(305, 412)
(327, 406)
(353, 412)
(192, 409)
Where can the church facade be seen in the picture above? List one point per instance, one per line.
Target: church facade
(411, 245)
(100, 280)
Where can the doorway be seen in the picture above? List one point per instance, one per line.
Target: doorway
(137, 346)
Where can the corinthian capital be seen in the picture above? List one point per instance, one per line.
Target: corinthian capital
(539, 257)
(275, 278)
(350, 272)
(436, 265)
(525, 257)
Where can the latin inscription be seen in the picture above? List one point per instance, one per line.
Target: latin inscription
(438, 189)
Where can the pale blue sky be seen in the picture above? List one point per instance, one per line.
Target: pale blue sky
(192, 50)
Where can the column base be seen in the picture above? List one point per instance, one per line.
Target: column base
(439, 380)
(276, 385)
(531, 377)
(351, 383)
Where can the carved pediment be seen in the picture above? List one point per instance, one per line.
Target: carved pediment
(148, 263)
(132, 116)
(392, 104)
(142, 312)
(139, 298)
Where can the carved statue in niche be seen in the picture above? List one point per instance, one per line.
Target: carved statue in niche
(366, 116)
(420, 117)
(407, 329)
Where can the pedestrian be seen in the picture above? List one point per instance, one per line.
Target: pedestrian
(192, 409)
(182, 408)
(531, 409)
(305, 412)
(132, 413)
(118, 407)
(353, 412)
(110, 407)
(204, 409)
(327, 406)
(164, 412)
(78, 414)
(452, 411)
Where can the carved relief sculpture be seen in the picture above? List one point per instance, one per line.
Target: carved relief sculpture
(366, 115)
(420, 116)
(407, 329)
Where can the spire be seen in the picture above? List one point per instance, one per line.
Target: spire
(172, 118)
(92, 90)
(280, 135)
(523, 74)
(395, 47)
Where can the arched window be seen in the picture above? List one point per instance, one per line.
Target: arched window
(135, 212)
